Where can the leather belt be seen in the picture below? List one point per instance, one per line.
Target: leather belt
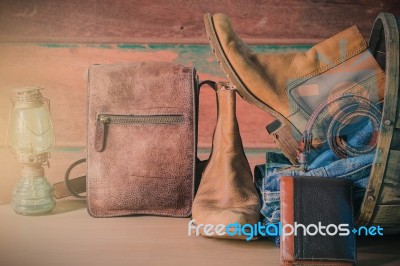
(343, 109)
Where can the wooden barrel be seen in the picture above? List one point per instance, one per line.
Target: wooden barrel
(381, 204)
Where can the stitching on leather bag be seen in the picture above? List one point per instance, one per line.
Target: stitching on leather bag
(195, 94)
(284, 210)
(87, 142)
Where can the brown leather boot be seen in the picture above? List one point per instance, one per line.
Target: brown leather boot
(290, 86)
(226, 193)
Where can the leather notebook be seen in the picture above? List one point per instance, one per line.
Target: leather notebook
(325, 203)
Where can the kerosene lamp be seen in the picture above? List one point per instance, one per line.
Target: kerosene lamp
(31, 137)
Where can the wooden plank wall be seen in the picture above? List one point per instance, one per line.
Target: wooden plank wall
(51, 43)
(181, 21)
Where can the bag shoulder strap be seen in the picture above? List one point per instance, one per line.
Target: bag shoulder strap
(71, 187)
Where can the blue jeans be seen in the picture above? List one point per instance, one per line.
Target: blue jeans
(326, 164)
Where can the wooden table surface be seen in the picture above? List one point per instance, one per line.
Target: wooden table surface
(69, 236)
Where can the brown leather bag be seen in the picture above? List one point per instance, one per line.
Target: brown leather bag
(141, 141)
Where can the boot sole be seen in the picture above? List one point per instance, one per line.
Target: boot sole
(246, 94)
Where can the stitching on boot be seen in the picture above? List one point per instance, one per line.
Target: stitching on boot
(379, 76)
(294, 106)
(364, 83)
(325, 68)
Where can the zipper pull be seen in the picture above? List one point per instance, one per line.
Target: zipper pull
(99, 138)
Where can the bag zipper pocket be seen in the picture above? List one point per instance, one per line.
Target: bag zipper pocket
(105, 119)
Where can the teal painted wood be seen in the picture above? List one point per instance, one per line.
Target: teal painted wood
(198, 55)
